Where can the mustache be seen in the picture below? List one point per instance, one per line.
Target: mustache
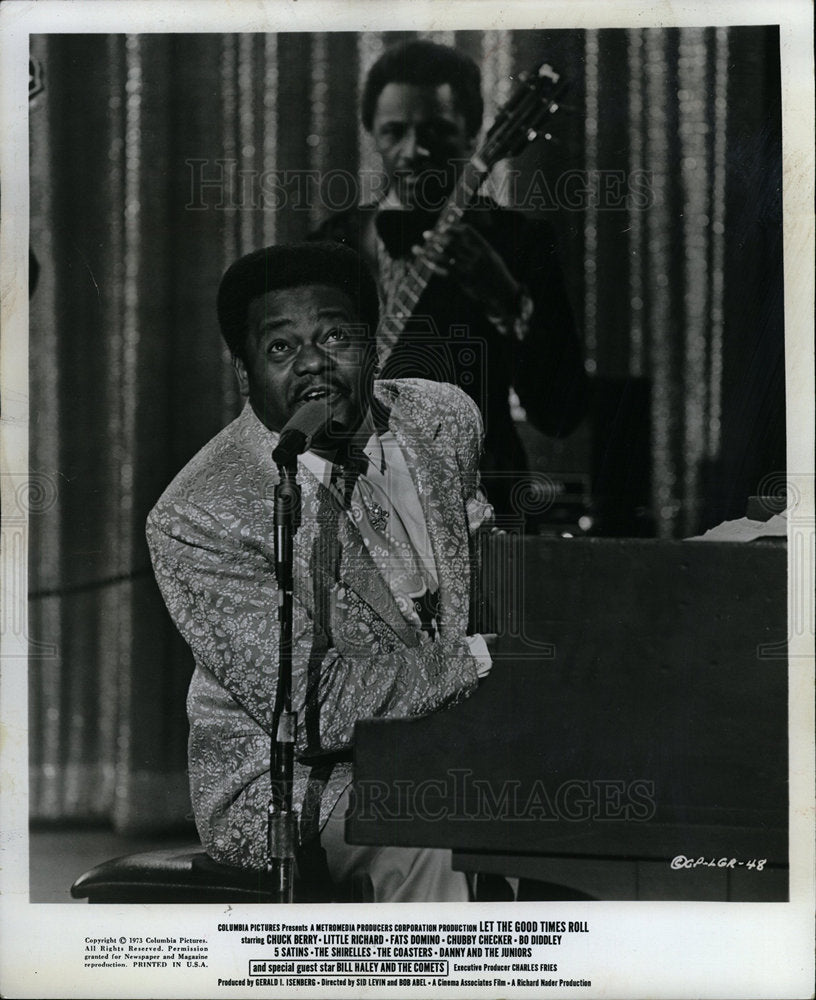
(330, 385)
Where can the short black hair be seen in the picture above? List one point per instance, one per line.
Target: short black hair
(293, 265)
(423, 62)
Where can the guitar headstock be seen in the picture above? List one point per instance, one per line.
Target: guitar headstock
(524, 118)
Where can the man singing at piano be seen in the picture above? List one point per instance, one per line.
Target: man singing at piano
(495, 314)
(383, 562)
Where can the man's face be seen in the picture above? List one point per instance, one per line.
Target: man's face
(420, 135)
(306, 343)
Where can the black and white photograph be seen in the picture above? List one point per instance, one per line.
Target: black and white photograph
(407, 498)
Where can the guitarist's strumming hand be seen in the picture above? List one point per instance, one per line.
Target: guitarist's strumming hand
(465, 256)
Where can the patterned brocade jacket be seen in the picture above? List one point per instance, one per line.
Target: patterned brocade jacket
(355, 656)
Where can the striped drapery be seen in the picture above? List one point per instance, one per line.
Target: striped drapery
(156, 160)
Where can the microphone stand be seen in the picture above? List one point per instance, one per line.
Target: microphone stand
(282, 816)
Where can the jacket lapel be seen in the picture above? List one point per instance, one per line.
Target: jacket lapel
(432, 466)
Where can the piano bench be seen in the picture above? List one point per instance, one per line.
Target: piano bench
(179, 875)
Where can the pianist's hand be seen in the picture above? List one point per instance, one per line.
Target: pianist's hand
(480, 650)
(490, 639)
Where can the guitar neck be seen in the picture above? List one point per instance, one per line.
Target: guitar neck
(404, 300)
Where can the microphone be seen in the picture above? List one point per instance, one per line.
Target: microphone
(312, 420)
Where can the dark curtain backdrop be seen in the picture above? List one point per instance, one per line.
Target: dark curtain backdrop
(157, 159)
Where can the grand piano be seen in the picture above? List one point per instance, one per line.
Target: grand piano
(631, 740)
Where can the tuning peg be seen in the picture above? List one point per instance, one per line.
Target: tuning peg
(545, 69)
(533, 134)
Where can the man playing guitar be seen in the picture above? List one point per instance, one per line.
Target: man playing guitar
(472, 291)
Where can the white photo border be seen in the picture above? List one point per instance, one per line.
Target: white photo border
(636, 949)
